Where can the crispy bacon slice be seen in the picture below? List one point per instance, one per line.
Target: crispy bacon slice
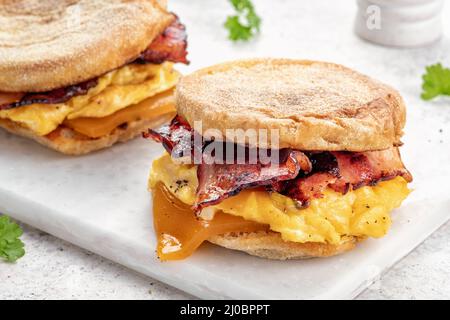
(176, 137)
(368, 168)
(325, 171)
(169, 46)
(51, 97)
(220, 181)
(343, 171)
(7, 98)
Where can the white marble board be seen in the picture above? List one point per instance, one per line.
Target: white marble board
(100, 202)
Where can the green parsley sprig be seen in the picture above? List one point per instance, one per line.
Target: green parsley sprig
(11, 247)
(245, 24)
(436, 81)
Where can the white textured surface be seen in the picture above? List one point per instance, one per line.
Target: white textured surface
(54, 269)
(315, 30)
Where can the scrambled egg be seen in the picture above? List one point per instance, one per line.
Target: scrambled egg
(115, 90)
(330, 219)
(180, 179)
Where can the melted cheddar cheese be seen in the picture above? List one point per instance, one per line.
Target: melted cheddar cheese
(180, 232)
(116, 90)
(364, 212)
(151, 108)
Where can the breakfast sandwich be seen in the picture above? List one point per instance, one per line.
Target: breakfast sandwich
(332, 136)
(81, 75)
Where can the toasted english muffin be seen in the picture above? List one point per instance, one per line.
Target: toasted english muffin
(314, 105)
(269, 245)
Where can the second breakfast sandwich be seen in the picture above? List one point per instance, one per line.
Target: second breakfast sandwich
(337, 177)
(78, 76)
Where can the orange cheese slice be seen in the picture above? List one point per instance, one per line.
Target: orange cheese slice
(180, 232)
(148, 109)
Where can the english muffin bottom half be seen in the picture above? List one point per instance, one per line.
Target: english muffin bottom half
(281, 159)
(81, 76)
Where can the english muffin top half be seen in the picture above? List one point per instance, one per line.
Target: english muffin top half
(314, 105)
(51, 44)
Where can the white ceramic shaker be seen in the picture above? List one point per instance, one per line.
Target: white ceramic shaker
(399, 23)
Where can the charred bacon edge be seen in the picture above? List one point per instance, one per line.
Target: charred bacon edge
(295, 162)
(171, 45)
(52, 97)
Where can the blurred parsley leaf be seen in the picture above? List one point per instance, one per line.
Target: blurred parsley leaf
(436, 81)
(245, 24)
(11, 247)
